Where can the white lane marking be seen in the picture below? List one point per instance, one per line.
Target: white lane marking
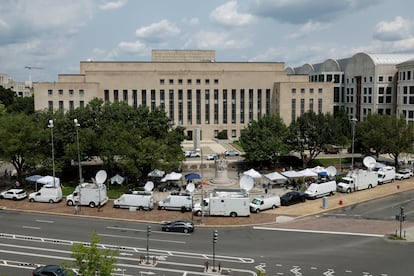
(45, 221)
(137, 238)
(31, 227)
(320, 232)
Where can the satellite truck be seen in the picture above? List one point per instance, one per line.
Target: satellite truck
(137, 200)
(326, 188)
(359, 179)
(227, 202)
(90, 194)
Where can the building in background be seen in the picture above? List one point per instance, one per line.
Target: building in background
(405, 90)
(21, 89)
(195, 90)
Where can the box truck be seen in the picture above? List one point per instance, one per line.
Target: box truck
(176, 201)
(136, 199)
(316, 190)
(88, 194)
(48, 193)
(259, 204)
(386, 174)
(357, 180)
(224, 202)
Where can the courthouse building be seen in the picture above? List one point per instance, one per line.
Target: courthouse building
(195, 90)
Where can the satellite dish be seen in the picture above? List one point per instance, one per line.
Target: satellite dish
(369, 162)
(149, 186)
(246, 182)
(190, 187)
(331, 171)
(100, 177)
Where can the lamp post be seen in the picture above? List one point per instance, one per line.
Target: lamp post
(148, 234)
(77, 125)
(215, 237)
(353, 122)
(51, 125)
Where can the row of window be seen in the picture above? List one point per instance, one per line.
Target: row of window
(370, 79)
(303, 90)
(335, 78)
(71, 92)
(188, 81)
(302, 108)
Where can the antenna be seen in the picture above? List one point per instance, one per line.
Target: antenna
(100, 177)
(190, 187)
(369, 162)
(149, 186)
(30, 74)
(331, 171)
(246, 182)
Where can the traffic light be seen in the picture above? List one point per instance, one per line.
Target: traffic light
(149, 230)
(215, 236)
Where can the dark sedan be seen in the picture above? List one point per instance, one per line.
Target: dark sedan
(49, 270)
(178, 226)
(292, 198)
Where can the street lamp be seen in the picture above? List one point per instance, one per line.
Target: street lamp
(215, 237)
(148, 234)
(353, 122)
(77, 125)
(51, 125)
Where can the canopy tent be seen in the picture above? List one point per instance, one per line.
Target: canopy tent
(47, 181)
(172, 177)
(275, 176)
(253, 173)
(192, 176)
(156, 173)
(308, 172)
(33, 178)
(379, 165)
(292, 174)
(117, 179)
(318, 169)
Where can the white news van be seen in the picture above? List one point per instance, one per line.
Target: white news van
(225, 202)
(316, 190)
(89, 194)
(357, 180)
(263, 203)
(138, 200)
(183, 202)
(47, 193)
(386, 174)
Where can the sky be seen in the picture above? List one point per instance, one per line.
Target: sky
(40, 39)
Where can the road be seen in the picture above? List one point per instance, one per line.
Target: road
(39, 239)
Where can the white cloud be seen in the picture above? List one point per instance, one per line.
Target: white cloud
(308, 28)
(158, 32)
(215, 40)
(228, 15)
(132, 47)
(190, 21)
(113, 5)
(397, 29)
(4, 27)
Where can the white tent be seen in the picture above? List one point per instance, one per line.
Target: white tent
(274, 176)
(47, 181)
(253, 173)
(318, 169)
(292, 174)
(172, 177)
(156, 173)
(117, 179)
(308, 172)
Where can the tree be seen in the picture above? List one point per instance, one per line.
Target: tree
(7, 96)
(90, 260)
(20, 137)
(311, 133)
(382, 134)
(264, 139)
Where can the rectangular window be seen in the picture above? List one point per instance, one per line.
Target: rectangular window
(189, 81)
(311, 90)
(135, 98)
(216, 81)
(71, 92)
(267, 101)
(224, 106)
(207, 81)
(171, 104)
(61, 105)
(198, 81)
(189, 107)
(106, 96)
(125, 96)
(171, 81)
(144, 97)
(71, 105)
(180, 81)
(293, 110)
(311, 104)
(259, 103)
(216, 106)
(320, 107)
(302, 107)
(153, 102)
(302, 90)
(81, 92)
(162, 81)
(207, 106)
(116, 96)
(233, 133)
(320, 90)
(293, 90)
(380, 78)
(242, 106)
(162, 99)
(50, 92)
(61, 92)
(81, 104)
(50, 105)
(180, 107)
(198, 106)
(233, 106)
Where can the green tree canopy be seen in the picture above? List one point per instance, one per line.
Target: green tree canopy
(264, 139)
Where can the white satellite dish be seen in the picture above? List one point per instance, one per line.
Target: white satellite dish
(331, 171)
(149, 186)
(100, 177)
(190, 187)
(369, 162)
(246, 182)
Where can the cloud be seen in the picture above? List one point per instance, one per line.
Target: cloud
(158, 32)
(308, 28)
(302, 11)
(132, 47)
(228, 15)
(397, 29)
(215, 40)
(113, 5)
(190, 21)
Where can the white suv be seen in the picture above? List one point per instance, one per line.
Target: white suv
(14, 194)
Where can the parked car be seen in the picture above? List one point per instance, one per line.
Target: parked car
(168, 186)
(191, 154)
(231, 153)
(331, 151)
(49, 270)
(212, 156)
(15, 194)
(178, 226)
(292, 198)
(403, 174)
